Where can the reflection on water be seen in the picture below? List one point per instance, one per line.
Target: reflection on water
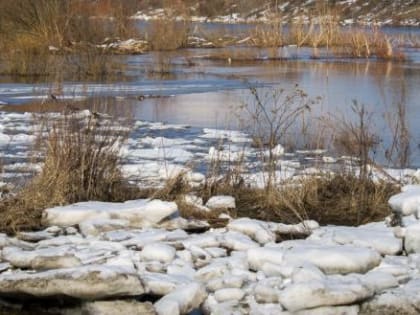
(202, 92)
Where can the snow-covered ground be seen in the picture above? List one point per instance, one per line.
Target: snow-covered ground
(143, 258)
(364, 12)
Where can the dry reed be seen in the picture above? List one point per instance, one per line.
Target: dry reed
(81, 163)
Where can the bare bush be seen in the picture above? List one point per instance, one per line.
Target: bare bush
(269, 117)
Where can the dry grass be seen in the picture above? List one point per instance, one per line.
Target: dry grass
(268, 35)
(361, 43)
(29, 28)
(27, 58)
(57, 23)
(81, 163)
(326, 199)
(168, 34)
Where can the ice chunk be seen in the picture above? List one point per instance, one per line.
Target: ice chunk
(227, 281)
(96, 226)
(181, 301)
(379, 280)
(37, 236)
(221, 202)
(212, 271)
(331, 258)
(89, 282)
(5, 266)
(237, 241)
(46, 258)
(402, 300)
(158, 251)
(162, 284)
(328, 292)
(127, 307)
(204, 240)
(266, 294)
(408, 201)
(412, 238)
(331, 310)
(304, 228)
(255, 229)
(258, 256)
(228, 294)
(142, 212)
(373, 235)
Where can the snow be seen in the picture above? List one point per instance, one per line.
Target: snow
(225, 155)
(171, 153)
(231, 135)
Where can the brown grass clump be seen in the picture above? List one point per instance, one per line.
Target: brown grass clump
(81, 163)
(328, 199)
(341, 199)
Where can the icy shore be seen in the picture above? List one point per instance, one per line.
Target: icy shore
(114, 257)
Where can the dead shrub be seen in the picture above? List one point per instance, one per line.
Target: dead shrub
(268, 116)
(354, 136)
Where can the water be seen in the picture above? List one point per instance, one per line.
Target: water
(203, 92)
